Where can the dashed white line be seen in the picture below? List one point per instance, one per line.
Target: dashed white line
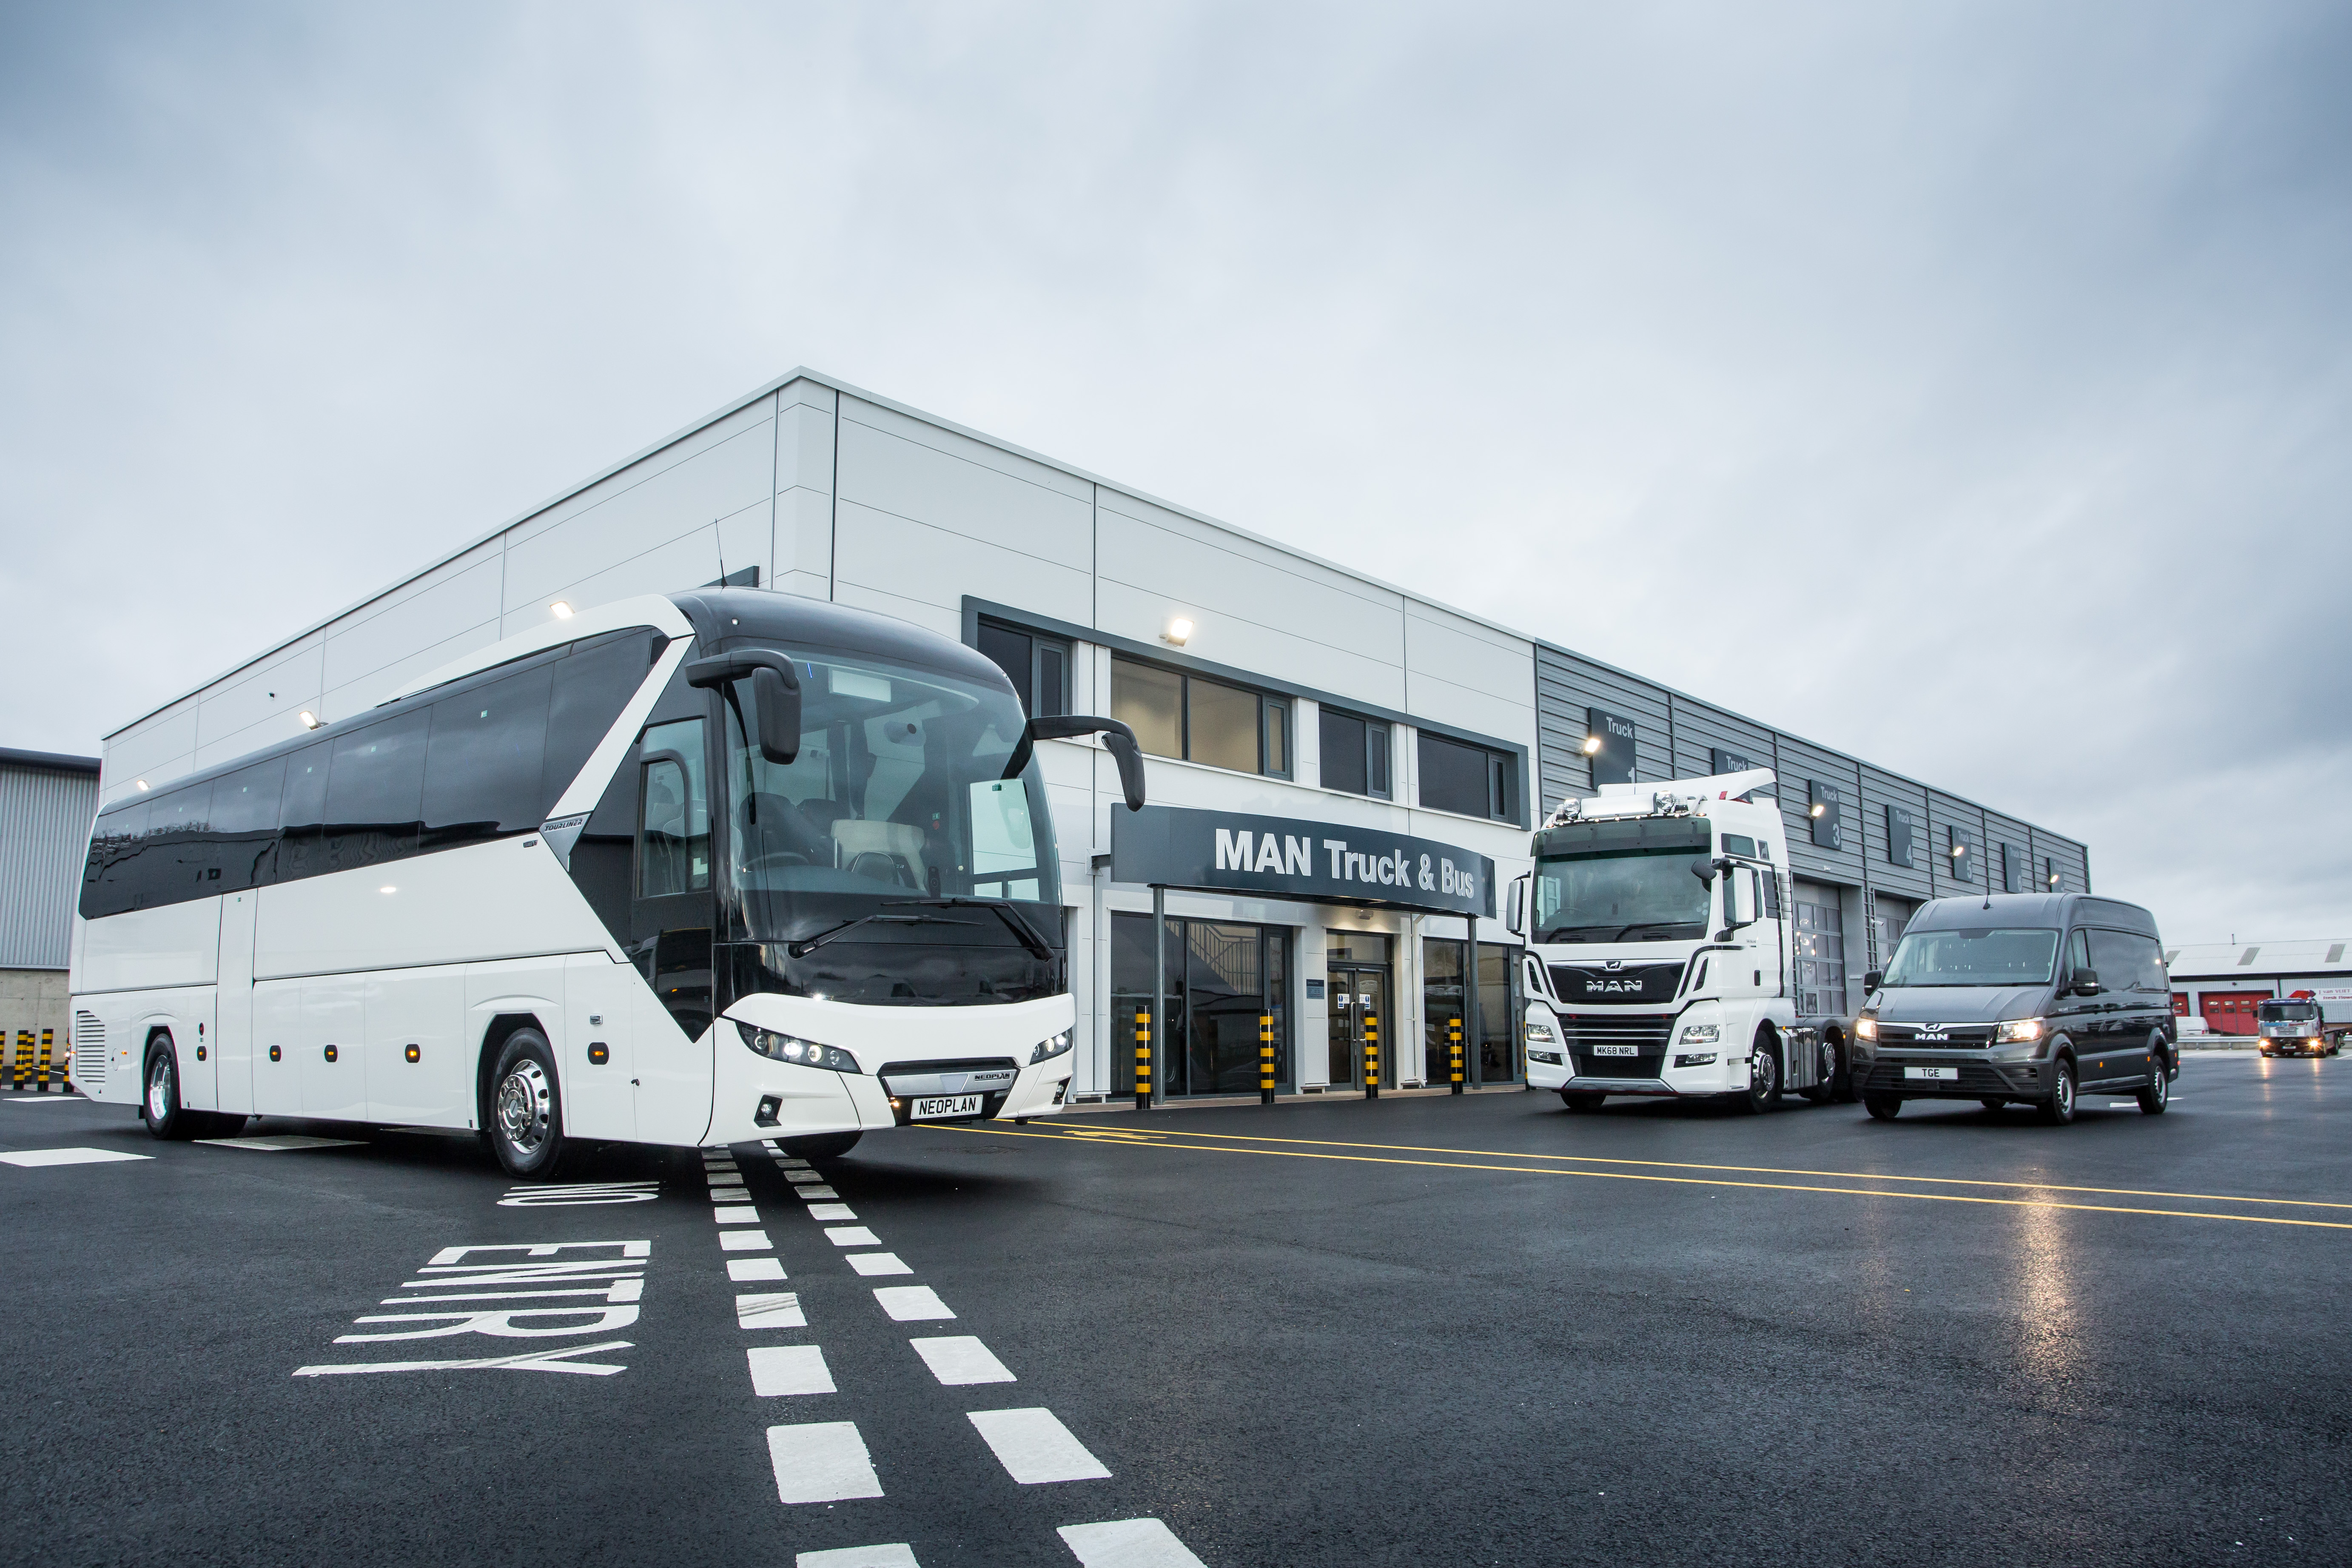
(822, 1461)
(745, 1241)
(803, 1175)
(851, 1236)
(810, 1195)
(878, 1263)
(1034, 1447)
(832, 1211)
(735, 1214)
(898, 1555)
(741, 1269)
(779, 1310)
(912, 1303)
(1127, 1543)
(960, 1359)
(780, 1370)
(31, 1159)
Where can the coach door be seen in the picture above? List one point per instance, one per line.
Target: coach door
(670, 920)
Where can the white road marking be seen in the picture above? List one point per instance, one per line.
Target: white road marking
(811, 1194)
(912, 1303)
(735, 1214)
(28, 1098)
(822, 1461)
(530, 1361)
(898, 1555)
(832, 1211)
(745, 1241)
(777, 1310)
(742, 1270)
(1034, 1448)
(878, 1263)
(801, 1175)
(851, 1236)
(1127, 1544)
(281, 1141)
(779, 1370)
(959, 1359)
(33, 1158)
(789, 1163)
(574, 1195)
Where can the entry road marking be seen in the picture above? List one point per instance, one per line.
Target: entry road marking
(532, 1360)
(1126, 1544)
(779, 1310)
(822, 1461)
(741, 1269)
(33, 1159)
(851, 1236)
(745, 1241)
(1034, 1448)
(898, 1555)
(960, 1359)
(878, 1263)
(276, 1143)
(1225, 1148)
(912, 1303)
(779, 1370)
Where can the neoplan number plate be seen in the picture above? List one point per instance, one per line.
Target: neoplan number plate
(937, 1106)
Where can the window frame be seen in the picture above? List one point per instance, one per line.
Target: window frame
(1382, 747)
(1497, 768)
(1040, 644)
(1274, 709)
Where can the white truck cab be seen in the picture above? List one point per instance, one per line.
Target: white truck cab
(1661, 935)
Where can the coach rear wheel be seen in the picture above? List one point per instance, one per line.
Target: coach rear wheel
(160, 1107)
(526, 1121)
(823, 1146)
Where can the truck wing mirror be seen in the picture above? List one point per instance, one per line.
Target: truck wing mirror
(2086, 982)
(775, 695)
(1515, 908)
(1117, 740)
(1704, 870)
(1872, 980)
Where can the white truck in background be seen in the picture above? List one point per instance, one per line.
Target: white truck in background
(1661, 949)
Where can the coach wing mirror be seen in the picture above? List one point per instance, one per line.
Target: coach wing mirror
(2086, 983)
(1117, 740)
(775, 695)
(1515, 908)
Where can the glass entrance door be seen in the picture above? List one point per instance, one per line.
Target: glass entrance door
(1359, 997)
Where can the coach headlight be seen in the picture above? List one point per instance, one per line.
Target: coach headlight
(1048, 1049)
(793, 1049)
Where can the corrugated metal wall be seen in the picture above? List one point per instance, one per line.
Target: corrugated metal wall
(1678, 736)
(44, 820)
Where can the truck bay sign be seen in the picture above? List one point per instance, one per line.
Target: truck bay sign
(1289, 858)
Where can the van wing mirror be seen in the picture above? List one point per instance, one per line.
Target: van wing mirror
(1117, 740)
(775, 695)
(1872, 980)
(1515, 908)
(2086, 982)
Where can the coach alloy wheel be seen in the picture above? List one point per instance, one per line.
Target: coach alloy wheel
(526, 1120)
(159, 1106)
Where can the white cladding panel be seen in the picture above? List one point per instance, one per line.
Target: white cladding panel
(456, 603)
(258, 705)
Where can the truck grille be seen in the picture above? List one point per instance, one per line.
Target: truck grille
(1652, 983)
(88, 1052)
(1646, 1032)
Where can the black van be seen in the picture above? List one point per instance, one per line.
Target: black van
(2031, 998)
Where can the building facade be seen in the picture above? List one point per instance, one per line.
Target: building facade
(1376, 758)
(46, 802)
(2216, 986)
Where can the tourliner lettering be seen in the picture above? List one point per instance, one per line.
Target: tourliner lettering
(561, 1290)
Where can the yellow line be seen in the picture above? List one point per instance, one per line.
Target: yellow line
(1099, 1141)
(1759, 1170)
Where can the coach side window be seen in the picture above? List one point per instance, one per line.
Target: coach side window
(244, 825)
(593, 683)
(483, 763)
(375, 792)
(674, 821)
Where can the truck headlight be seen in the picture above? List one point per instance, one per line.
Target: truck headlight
(2016, 1031)
(1552, 1057)
(1696, 1058)
(1699, 1035)
(1865, 1028)
(1540, 1033)
(795, 1050)
(1050, 1048)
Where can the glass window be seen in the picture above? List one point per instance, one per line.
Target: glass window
(302, 815)
(674, 821)
(245, 823)
(375, 792)
(2127, 962)
(1222, 978)
(1003, 842)
(1445, 1007)
(1820, 960)
(484, 763)
(1648, 895)
(1376, 759)
(2010, 956)
(1037, 666)
(1223, 725)
(1278, 737)
(1355, 753)
(1457, 776)
(593, 683)
(1151, 702)
(1498, 1014)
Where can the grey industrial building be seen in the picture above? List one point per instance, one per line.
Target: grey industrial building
(46, 802)
(1263, 679)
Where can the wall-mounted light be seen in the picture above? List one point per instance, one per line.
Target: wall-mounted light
(1820, 808)
(1178, 631)
(140, 782)
(1959, 850)
(310, 719)
(560, 610)
(1591, 745)
(387, 890)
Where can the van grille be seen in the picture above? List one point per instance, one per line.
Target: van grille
(88, 1052)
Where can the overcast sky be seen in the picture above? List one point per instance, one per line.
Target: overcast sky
(1963, 387)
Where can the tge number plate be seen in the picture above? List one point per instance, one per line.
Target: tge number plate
(1600, 1050)
(946, 1105)
(1934, 1075)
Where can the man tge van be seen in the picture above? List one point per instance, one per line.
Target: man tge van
(2029, 997)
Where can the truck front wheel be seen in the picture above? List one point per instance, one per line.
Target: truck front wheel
(1763, 1075)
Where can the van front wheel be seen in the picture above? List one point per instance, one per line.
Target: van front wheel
(2058, 1109)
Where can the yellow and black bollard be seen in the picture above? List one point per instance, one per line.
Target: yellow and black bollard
(1371, 1056)
(1143, 1058)
(22, 1069)
(1265, 1058)
(47, 1037)
(1454, 1036)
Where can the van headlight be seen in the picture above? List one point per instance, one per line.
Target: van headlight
(2016, 1031)
(1700, 1035)
(1865, 1028)
(1050, 1048)
(1540, 1033)
(795, 1050)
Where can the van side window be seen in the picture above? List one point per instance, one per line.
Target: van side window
(2078, 956)
(2127, 962)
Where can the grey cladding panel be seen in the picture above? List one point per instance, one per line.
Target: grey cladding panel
(1879, 790)
(1566, 687)
(1702, 728)
(1800, 764)
(1944, 814)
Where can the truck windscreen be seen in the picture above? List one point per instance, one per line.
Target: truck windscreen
(1641, 895)
(1995, 956)
(2289, 1013)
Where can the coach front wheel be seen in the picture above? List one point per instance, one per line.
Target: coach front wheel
(526, 1120)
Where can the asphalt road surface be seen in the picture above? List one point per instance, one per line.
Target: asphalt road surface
(1421, 1330)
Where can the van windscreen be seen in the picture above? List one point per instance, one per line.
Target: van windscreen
(2001, 955)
